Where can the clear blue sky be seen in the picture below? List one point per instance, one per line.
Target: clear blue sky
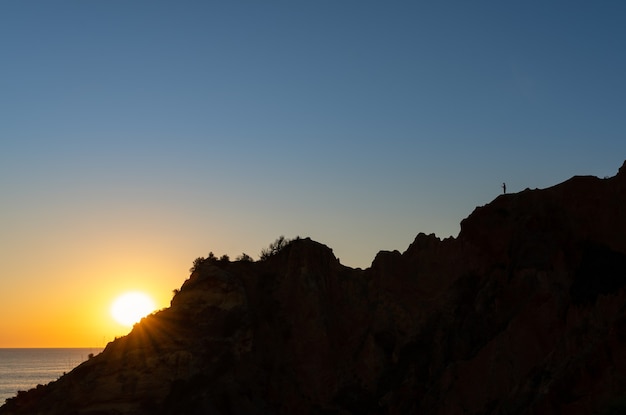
(160, 131)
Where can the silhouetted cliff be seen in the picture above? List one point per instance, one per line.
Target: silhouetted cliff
(523, 312)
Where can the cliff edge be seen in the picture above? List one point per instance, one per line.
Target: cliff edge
(523, 312)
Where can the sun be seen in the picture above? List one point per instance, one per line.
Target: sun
(132, 306)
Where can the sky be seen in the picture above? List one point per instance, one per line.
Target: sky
(136, 136)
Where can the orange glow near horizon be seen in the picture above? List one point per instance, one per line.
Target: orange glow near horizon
(69, 304)
(83, 324)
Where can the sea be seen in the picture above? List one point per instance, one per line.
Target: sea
(24, 369)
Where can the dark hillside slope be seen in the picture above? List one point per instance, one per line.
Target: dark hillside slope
(523, 313)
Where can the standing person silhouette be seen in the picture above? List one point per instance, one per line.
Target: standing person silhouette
(504, 188)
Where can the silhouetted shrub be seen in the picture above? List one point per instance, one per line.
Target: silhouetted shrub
(197, 263)
(225, 258)
(274, 248)
(244, 258)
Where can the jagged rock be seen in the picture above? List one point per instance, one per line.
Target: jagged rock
(523, 312)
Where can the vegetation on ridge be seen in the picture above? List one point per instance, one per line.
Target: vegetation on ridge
(275, 247)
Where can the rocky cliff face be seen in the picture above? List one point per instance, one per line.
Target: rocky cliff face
(524, 312)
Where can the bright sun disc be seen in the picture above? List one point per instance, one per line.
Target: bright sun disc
(129, 308)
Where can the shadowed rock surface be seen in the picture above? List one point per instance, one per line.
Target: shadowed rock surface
(523, 313)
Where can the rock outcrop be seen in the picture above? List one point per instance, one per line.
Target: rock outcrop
(523, 312)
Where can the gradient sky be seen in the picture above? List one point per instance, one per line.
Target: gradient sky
(136, 136)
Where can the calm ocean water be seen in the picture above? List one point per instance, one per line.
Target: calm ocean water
(23, 369)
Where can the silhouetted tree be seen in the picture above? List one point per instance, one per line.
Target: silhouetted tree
(274, 248)
(225, 258)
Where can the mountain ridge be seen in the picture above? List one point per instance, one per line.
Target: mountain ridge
(523, 312)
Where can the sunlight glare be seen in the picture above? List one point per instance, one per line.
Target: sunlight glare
(130, 307)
